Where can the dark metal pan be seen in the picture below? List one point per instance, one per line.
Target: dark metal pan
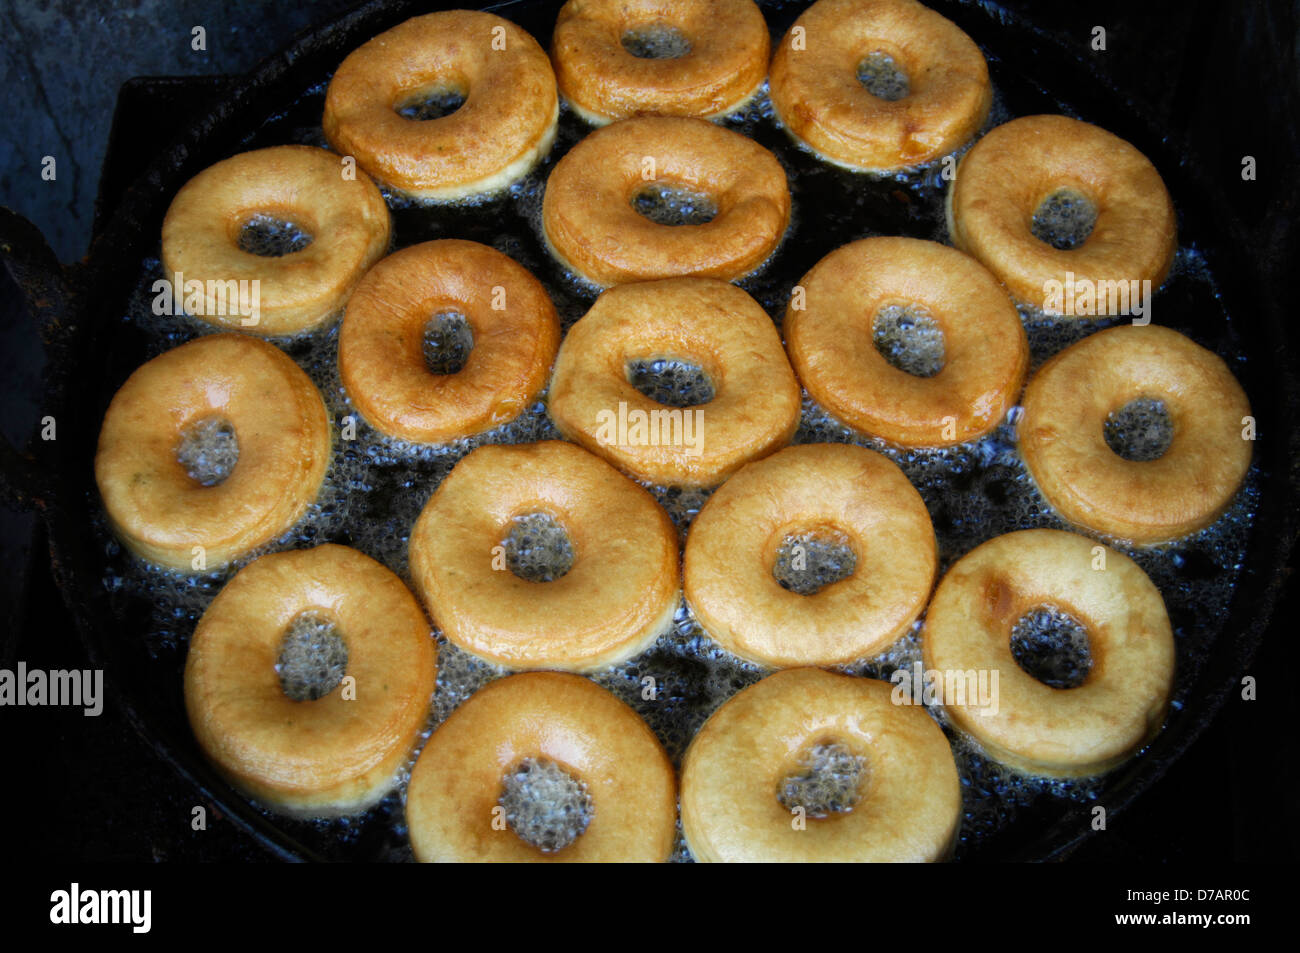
(90, 351)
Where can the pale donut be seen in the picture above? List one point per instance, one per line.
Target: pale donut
(756, 402)
(593, 229)
(283, 434)
(829, 337)
(1062, 435)
(910, 802)
(819, 99)
(381, 357)
(333, 755)
(452, 799)
(849, 492)
(725, 65)
(345, 217)
(505, 125)
(619, 594)
(1006, 176)
(1038, 729)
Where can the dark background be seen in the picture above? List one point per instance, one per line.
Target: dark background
(1222, 76)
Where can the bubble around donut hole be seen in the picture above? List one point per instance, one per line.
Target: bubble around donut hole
(544, 804)
(1051, 645)
(655, 41)
(674, 204)
(1064, 219)
(828, 778)
(671, 381)
(447, 342)
(208, 449)
(313, 657)
(909, 338)
(808, 561)
(272, 235)
(435, 102)
(882, 77)
(1140, 430)
(537, 547)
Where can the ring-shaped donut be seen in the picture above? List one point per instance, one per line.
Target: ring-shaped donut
(1035, 727)
(298, 185)
(283, 435)
(341, 752)
(381, 345)
(452, 801)
(1063, 442)
(854, 494)
(829, 335)
(909, 809)
(713, 324)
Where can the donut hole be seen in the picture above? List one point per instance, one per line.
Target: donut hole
(270, 236)
(882, 78)
(909, 338)
(807, 563)
(656, 41)
(666, 204)
(313, 657)
(1052, 646)
(1141, 430)
(447, 342)
(1064, 219)
(208, 450)
(433, 103)
(544, 804)
(537, 548)
(829, 780)
(671, 381)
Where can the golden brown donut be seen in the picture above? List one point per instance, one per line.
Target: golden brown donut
(336, 754)
(1034, 727)
(505, 125)
(819, 99)
(593, 229)
(1062, 437)
(838, 490)
(909, 807)
(346, 218)
(724, 63)
(381, 345)
(456, 786)
(619, 594)
(829, 338)
(283, 435)
(1008, 174)
(756, 402)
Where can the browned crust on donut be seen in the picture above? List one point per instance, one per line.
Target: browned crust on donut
(620, 593)
(1007, 174)
(910, 808)
(726, 64)
(505, 124)
(346, 217)
(831, 344)
(335, 754)
(854, 492)
(1062, 439)
(756, 402)
(381, 359)
(456, 784)
(591, 226)
(817, 96)
(282, 428)
(1038, 729)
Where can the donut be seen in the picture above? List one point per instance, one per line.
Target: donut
(1063, 442)
(342, 751)
(1023, 165)
(221, 272)
(832, 492)
(551, 725)
(619, 593)
(505, 124)
(840, 54)
(830, 337)
(904, 807)
(710, 323)
(513, 324)
(1034, 727)
(281, 429)
(594, 230)
(616, 59)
